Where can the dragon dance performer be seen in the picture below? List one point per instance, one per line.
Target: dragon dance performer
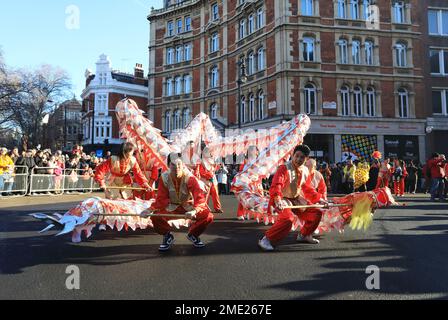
(207, 174)
(317, 179)
(252, 154)
(384, 174)
(116, 172)
(191, 159)
(179, 193)
(291, 185)
(151, 172)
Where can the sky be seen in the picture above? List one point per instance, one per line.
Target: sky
(73, 34)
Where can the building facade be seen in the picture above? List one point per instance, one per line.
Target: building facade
(354, 66)
(104, 89)
(64, 128)
(436, 74)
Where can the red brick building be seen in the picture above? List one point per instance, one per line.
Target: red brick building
(104, 89)
(358, 77)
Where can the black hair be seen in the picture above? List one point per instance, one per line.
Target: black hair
(435, 155)
(125, 148)
(303, 148)
(172, 157)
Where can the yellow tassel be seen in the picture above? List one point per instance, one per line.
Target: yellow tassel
(362, 212)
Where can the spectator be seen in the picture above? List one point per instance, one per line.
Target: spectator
(71, 174)
(411, 181)
(222, 179)
(349, 176)
(436, 166)
(6, 172)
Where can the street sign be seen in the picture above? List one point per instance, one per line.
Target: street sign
(329, 105)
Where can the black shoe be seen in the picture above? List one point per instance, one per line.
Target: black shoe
(196, 241)
(168, 240)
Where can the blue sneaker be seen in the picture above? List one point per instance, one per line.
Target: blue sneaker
(168, 240)
(196, 241)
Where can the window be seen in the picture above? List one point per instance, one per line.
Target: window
(403, 101)
(170, 28)
(178, 86)
(440, 102)
(215, 12)
(243, 109)
(357, 101)
(170, 56)
(102, 78)
(308, 49)
(398, 10)
(438, 22)
(366, 11)
(251, 24)
(400, 52)
(260, 105)
(369, 53)
(356, 52)
(342, 9)
(178, 54)
(168, 121)
(310, 99)
(251, 68)
(214, 42)
(307, 7)
(177, 120)
(251, 108)
(214, 77)
(169, 87)
(371, 102)
(187, 83)
(242, 29)
(354, 9)
(179, 26)
(260, 18)
(187, 24)
(214, 111)
(187, 52)
(343, 51)
(345, 100)
(101, 103)
(260, 59)
(186, 116)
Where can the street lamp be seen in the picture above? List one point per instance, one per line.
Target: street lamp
(242, 78)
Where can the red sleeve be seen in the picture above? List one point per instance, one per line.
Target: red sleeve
(199, 202)
(242, 165)
(204, 173)
(322, 188)
(281, 178)
(310, 193)
(154, 173)
(138, 175)
(162, 198)
(101, 170)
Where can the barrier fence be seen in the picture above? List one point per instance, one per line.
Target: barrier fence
(47, 181)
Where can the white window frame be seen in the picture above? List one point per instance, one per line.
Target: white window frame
(179, 28)
(444, 101)
(187, 24)
(354, 9)
(357, 101)
(179, 51)
(214, 111)
(260, 59)
(307, 8)
(242, 28)
(214, 44)
(170, 28)
(439, 20)
(260, 18)
(170, 56)
(345, 100)
(261, 103)
(186, 117)
(251, 24)
(369, 48)
(399, 11)
(343, 51)
(356, 52)
(177, 120)
(215, 12)
(169, 87)
(251, 67)
(342, 9)
(309, 93)
(214, 77)
(403, 103)
(401, 54)
(306, 54)
(177, 85)
(187, 52)
(243, 109)
(252, 108)
(371, 102)
(187, 84)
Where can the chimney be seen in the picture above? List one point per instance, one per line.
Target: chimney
(138, 71)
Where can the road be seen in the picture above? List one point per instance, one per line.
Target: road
(408, 244)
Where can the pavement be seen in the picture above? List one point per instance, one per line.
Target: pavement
(409, 245)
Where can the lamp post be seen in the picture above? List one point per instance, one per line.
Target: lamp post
(242, 78)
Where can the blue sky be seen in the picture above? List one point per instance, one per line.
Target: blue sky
(35, 32)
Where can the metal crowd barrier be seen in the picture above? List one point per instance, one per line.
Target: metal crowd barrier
(17, 184)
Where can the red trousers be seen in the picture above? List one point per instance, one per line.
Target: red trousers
(241, 211)
(399, 187)
(283, 225)
(215, 197)
(382, 182)
(203, 219)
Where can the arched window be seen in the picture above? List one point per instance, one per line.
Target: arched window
(356, 52)
(176, 120)
(403, 103)
(357, 101)
(371, 102)
(260, 18)
(168, 121)
(251, 68)
(260, 105)
(243, 109)
(214, 46)
(343, 51)
(169, 87)
(310, 99)
(400, 52)
(260, 59)
(178, 86)
(251, 107)
(214, 111)
(214, 76)
(169, 56)
(187, 83)
(366, 12)
(308, 49)
(186, 117)
(307, 7)
(242, 28)
(354, 9)
(342, 9)
(398, 9)
(369, 53)
(251, 24)
(345, 100)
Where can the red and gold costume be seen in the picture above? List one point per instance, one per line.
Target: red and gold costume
(117, 173)
(179, 196)
(206, 171)
(384, 175)
(318, 183)
(151, 173)
(294, 187)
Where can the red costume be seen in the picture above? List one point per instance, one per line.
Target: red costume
(151, 173)
(179, 197)
(295, 187)
(318, 183)
(207, 175)
(383, 176)
(116, 173)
